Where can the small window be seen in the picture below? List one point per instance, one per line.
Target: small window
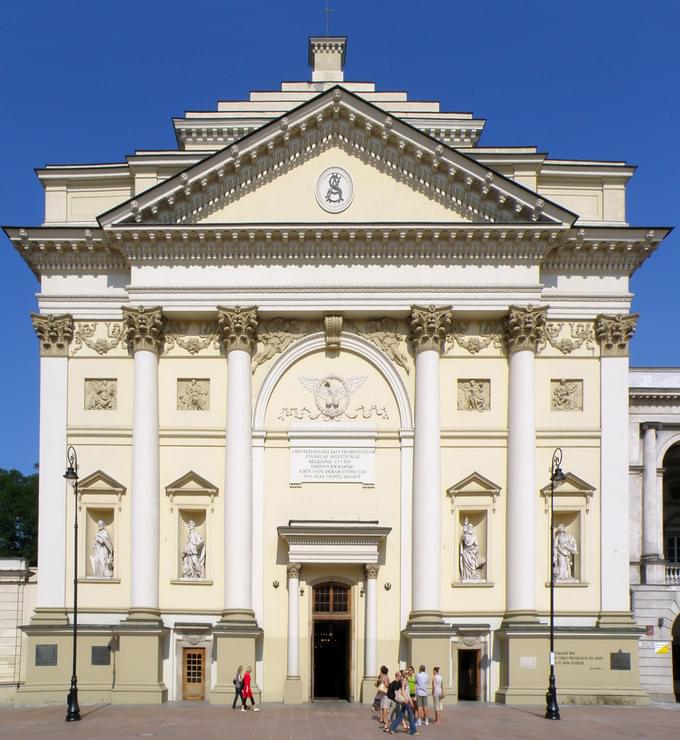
(673, 548)
(331, 598)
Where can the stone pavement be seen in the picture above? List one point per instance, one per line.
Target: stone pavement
(336, 721)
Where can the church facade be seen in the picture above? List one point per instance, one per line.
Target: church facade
(315, 364)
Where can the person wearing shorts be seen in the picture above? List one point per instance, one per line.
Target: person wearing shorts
(422, 679)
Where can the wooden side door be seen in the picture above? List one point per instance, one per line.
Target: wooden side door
(193, 674)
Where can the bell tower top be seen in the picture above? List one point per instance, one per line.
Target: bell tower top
(327, 58)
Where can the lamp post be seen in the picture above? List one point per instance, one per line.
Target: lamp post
(552, 711)
(71, 475)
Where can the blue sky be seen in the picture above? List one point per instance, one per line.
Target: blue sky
(93, 80)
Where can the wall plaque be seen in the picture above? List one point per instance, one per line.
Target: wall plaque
(45, 655)
(332, 465)
(101, 655)
(619, 661)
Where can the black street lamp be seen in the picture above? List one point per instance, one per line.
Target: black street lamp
(552, 711)
(71, 475)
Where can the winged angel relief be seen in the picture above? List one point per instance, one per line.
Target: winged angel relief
(332, 396)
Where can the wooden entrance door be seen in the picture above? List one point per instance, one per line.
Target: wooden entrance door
(331, 642)
(193, 674)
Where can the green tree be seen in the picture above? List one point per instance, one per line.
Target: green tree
(19, 515)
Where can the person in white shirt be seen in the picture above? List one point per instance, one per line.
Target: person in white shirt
(422, 680)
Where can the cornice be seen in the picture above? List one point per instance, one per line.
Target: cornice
(338, 117)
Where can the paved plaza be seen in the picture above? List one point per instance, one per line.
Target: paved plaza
(334, 720)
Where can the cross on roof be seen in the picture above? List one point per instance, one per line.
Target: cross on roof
(328, 12)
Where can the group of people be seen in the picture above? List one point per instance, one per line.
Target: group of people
(242, 690)
(404, 700)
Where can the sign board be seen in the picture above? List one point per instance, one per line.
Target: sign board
(619, 661)
(332, 465)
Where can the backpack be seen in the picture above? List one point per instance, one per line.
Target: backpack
(394, 686)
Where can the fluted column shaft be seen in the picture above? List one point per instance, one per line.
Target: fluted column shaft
(524, 329)
(145, 336)
(428, 326)
(294, 620)
(371, 622)
(238, 331)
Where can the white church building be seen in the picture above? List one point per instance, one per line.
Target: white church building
(315, 364)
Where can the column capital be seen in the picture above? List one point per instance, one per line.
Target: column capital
(54, 332)
(525, 328)
(651, 426)
(428, 326)
(293, 570)
(371, 570)
(238, 327)
(614, 333)
(145, 328)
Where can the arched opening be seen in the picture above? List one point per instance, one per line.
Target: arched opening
(671, 513)
(331, 640)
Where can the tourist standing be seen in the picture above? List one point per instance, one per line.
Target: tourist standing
(383, 684)
(422, 680)
(247, 692)
(238, 683)
(437, 694)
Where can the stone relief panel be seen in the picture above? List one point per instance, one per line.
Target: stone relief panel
(193, 394)
(387, 334)
(566, 395)
(192, 337)
(275, 336)
(101, 394)
(475, 336)
(100, 337)
(474, 394)
(332, 396)
(568, 337)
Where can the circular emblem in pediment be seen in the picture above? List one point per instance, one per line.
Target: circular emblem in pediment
(334, 190)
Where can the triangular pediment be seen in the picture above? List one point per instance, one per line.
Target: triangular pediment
(100, 481)
(191, 483)
(475, 483)
(571, 484)
(402, 175)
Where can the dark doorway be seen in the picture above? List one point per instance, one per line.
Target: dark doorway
(331, 659)
(468, 675)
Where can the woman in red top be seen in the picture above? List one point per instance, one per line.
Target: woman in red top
(247, 693)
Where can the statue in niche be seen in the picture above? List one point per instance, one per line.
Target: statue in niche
(102, 553)
(564, 549)
(470, 561)
(565, 396)
(193, 554)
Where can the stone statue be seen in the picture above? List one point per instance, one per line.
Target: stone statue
(564, 549)
(102, 553)
(193, 554)
(470, 561)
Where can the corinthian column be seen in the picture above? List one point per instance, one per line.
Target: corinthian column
(55, 334)
(524, 329)
(371, 625)
(145, 336)
(614, 333)
(238, 328)
(429, 326)
(293, 620)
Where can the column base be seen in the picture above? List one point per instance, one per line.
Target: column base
(430, 645)
(139, 662)
(235, 637)
(292, 690)
(50, 615)
(653, 570)
(425, 616)
(619, 620)
(368, 689)
(520, 618)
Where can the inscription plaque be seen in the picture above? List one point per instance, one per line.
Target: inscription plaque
(101, 655)
(332, 465)
(45, 655)
(619, 661)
